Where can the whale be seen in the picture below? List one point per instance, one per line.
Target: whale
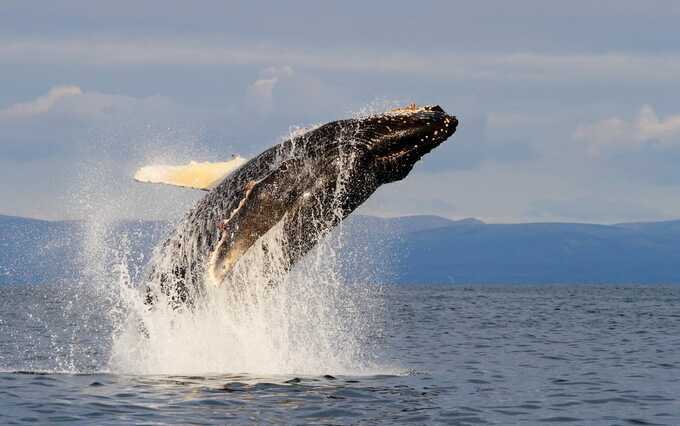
(304, 186)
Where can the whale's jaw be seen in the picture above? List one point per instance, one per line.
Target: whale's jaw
(418, 131)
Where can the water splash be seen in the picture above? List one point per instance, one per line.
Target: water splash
(309, 322)
(263, 319)
(266, 321)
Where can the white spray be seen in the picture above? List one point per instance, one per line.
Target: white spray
(264, 321)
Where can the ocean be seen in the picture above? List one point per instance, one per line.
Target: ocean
(459, 355)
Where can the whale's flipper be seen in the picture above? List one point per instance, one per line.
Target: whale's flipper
(204, 176)
(251, 220)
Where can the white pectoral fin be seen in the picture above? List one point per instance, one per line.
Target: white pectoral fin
(204, 176)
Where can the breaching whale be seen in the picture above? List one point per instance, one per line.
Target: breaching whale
(306, 184)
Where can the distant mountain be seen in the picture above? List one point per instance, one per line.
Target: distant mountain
(543, 253)
(412, 249)
(667, 227)
(36, 251)
(373, 248)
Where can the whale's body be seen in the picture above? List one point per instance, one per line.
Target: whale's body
(306, 184)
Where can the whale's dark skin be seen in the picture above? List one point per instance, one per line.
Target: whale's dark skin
(296, 182)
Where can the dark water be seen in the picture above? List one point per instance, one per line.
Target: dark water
(474, 355)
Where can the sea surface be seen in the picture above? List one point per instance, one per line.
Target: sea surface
(459, 355)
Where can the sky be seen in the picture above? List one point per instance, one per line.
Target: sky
(568, 111)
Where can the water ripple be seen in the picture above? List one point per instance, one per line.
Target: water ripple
(468, 356)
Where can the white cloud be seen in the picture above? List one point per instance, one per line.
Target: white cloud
(618, 133)
(74, 103)
(68, 124)
(500, 66)
(41, 104)
(261, 91)
(285, 71)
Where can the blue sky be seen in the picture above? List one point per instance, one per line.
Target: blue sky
(569, 111)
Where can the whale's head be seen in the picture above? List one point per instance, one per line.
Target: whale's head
(361, 154)
(395, 140)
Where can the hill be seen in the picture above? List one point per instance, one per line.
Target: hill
(543, 253)
(412, 249)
